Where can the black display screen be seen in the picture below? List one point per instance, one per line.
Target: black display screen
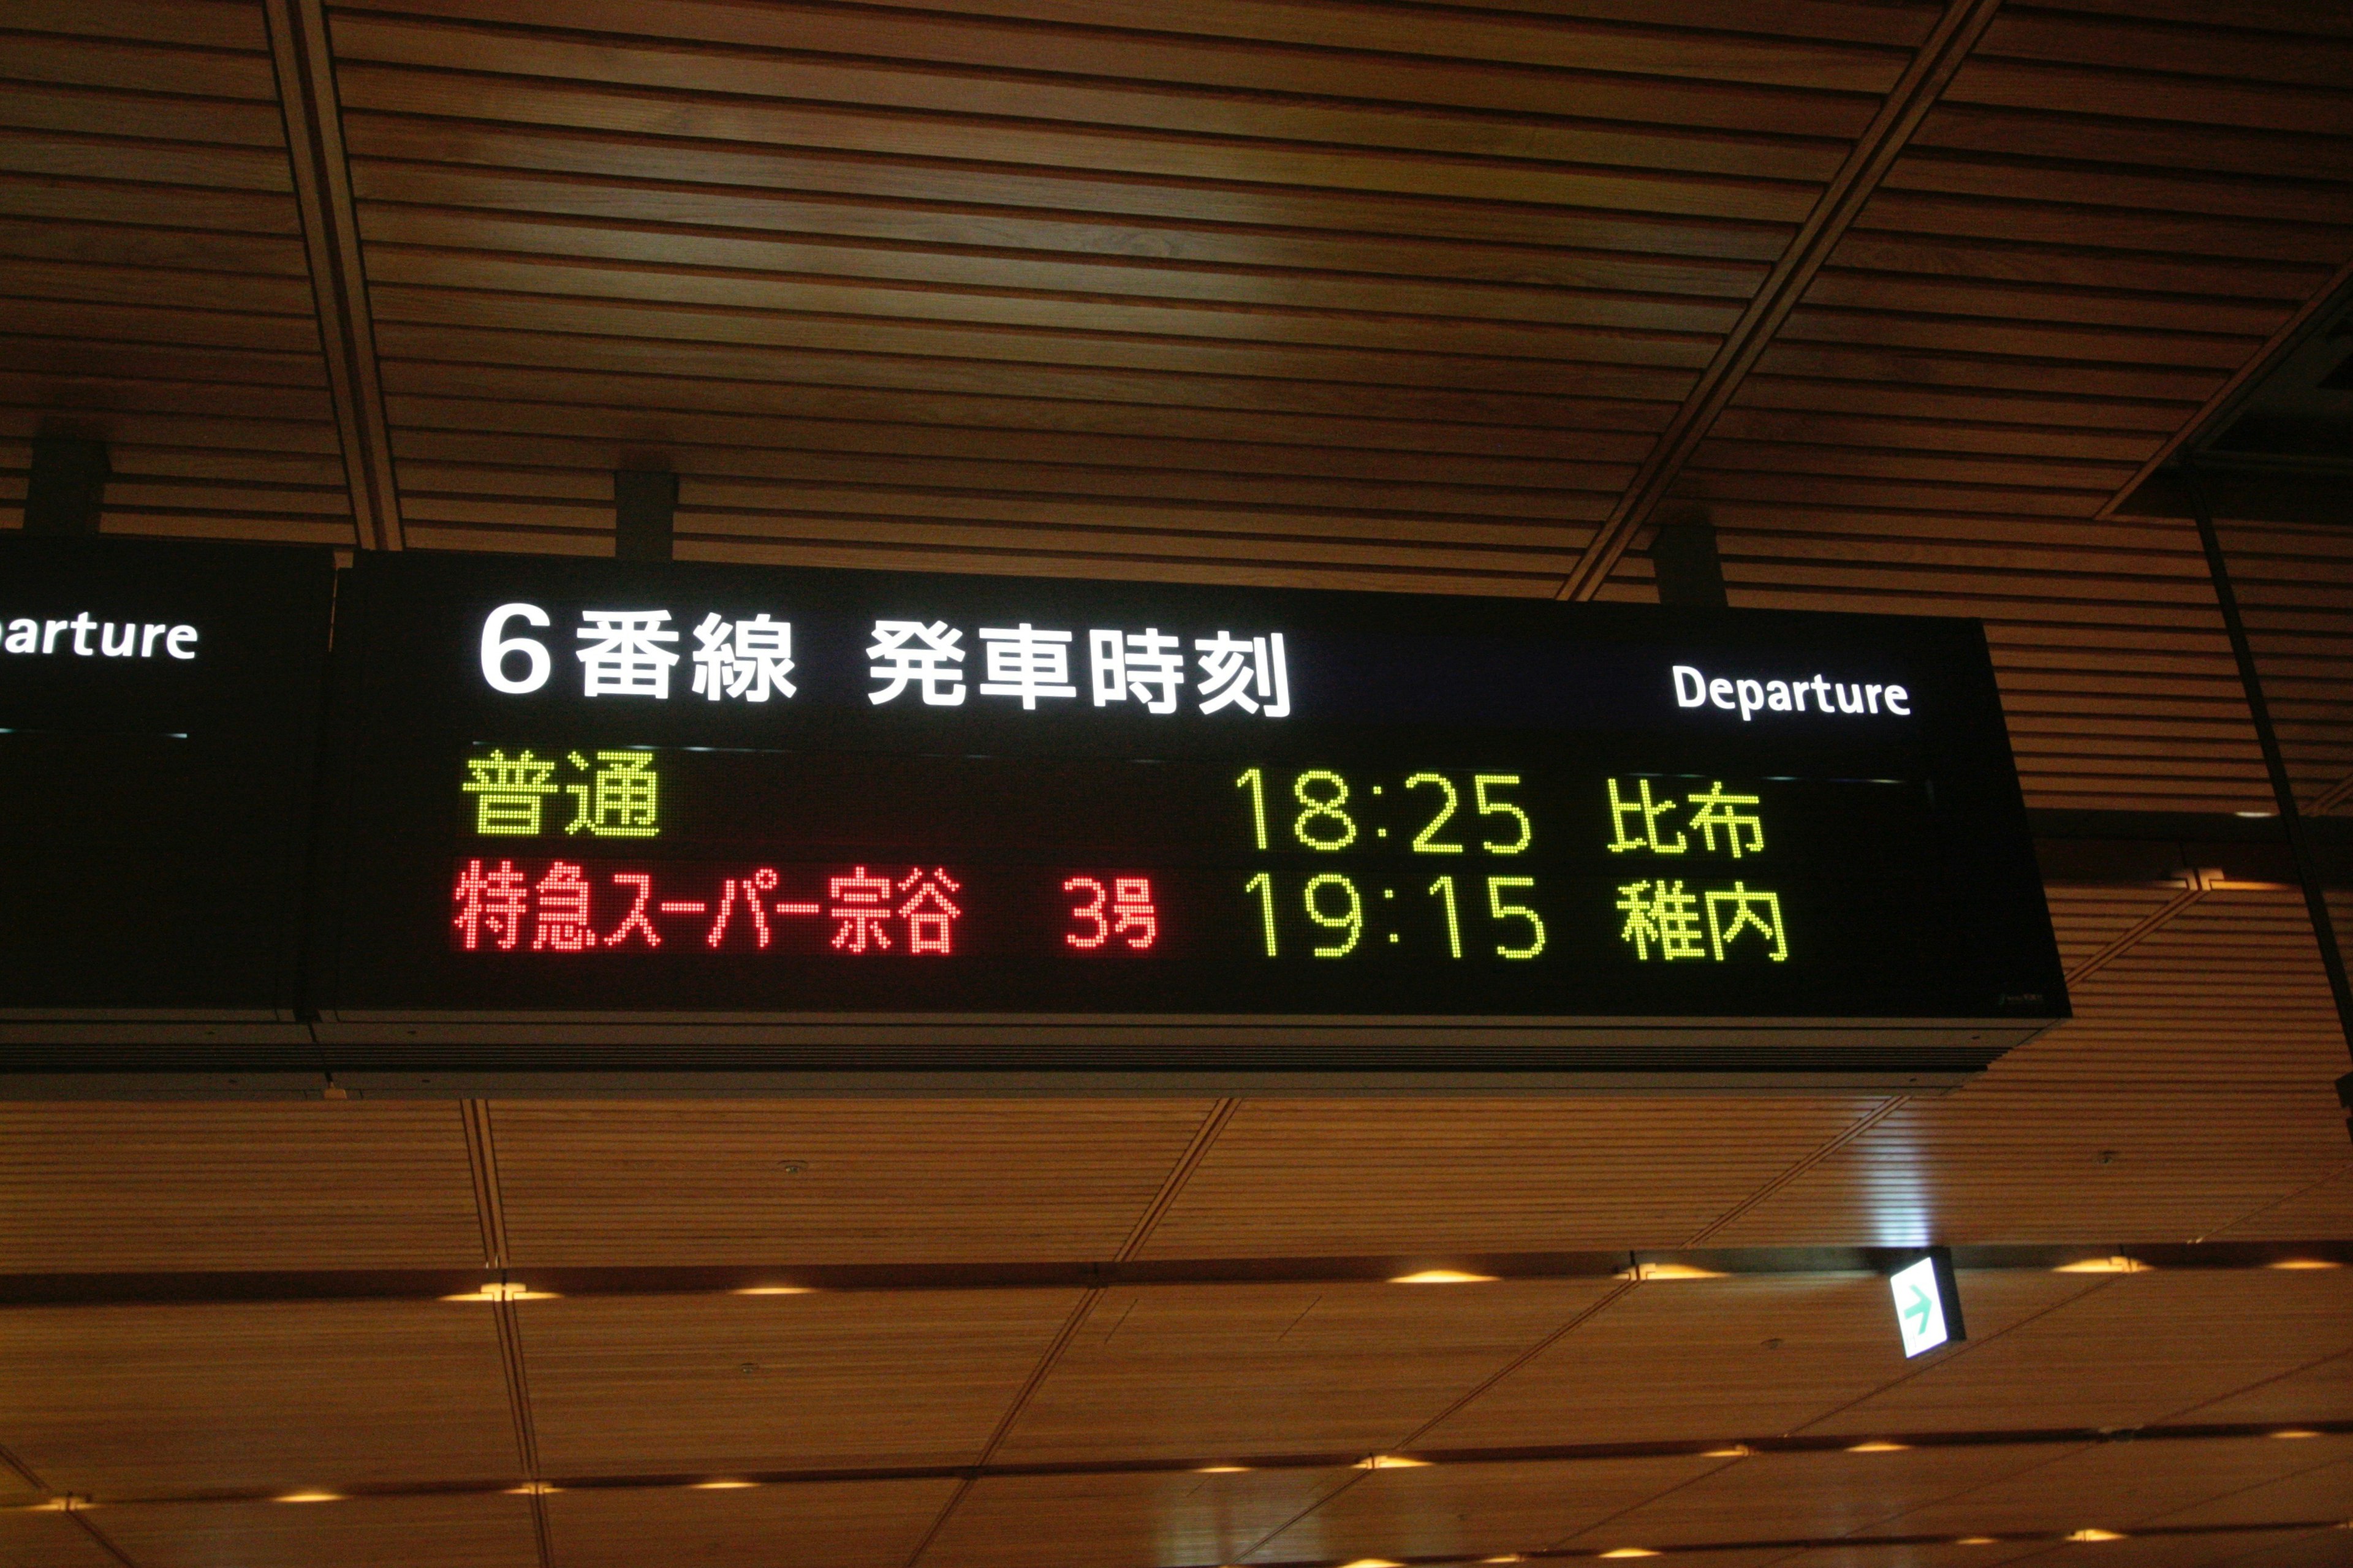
(160, 707)
(590, 792)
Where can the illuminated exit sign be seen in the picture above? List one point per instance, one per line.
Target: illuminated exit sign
(1927, 1304)
(687, 817)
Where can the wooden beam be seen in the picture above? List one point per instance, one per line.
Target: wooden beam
(323, 189)
(1842, 201)
(490, 1204)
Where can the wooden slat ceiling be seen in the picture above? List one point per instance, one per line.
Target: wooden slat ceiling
(153, 286)
(1905, 298)
(1568, 1414)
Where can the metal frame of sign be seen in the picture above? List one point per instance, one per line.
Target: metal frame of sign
(1466, 796)
(161, 707)
(1431, 679)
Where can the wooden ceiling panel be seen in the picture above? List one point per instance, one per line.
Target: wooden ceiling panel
(656, 1384)
(465, 1532)
(2323, 1208)
(48, 1540)
(1225, 1372)
(1753, 1356)
(842, 1524)
(2263, 1548)
(2134, 1483)
(876, 1181)
(2116, 678)
(152, 265)
(2312, 1549)
(2294, 586)
(1479, 1510)
(2321, 1391)
(1123, 1521)
(1384, 1176)
(2323, 1490)
(1817, 1496)
(116, 1401)
(308, 1185)
(1349, 49)
(1290, 236)
(2094, 244)
(1942, 1555)
(2191, 1090)
(1344, 295)
(796, 76)
(2089, 920)
(2196, 1338)
(1533, 35)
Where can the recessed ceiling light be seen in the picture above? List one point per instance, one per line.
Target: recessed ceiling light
(1977, 1541)
(1443, 1277)
(1670, 1271)
(774, 1290)
(309, 1497)
(722, 1486)
(2306, 1263)
(497, 1290)
(2254, 814)
(1506, 1557)
(534, 1488)
(2296, 1432)
(1631, 1552)
(1373, 1562)
(2118, 1264)
(1391, 1462)
(1875, 1447)
(1737, 1451)
(2096, 1535)
(1220, 1469)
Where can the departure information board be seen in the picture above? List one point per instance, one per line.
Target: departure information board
(696, 815)
(160, 708)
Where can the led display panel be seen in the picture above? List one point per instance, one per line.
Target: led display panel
(667, 817)
(160, 708)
